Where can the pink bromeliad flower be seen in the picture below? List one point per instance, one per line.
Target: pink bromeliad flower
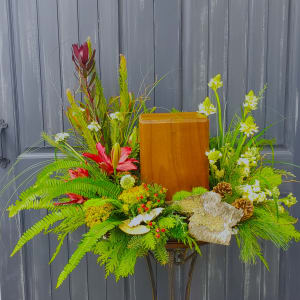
(79, 172)
(123, 163)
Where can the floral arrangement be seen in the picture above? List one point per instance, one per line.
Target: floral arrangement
(96, 181)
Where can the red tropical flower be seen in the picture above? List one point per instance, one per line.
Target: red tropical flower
(105, 162)
(81, 52)
(79, 172)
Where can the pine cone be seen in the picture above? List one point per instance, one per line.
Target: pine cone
(223, 188)
(246, 205)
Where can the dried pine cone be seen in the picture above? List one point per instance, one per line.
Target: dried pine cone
(246, 205)
(223, 188)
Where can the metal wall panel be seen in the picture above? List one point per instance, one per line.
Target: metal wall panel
(250, 42)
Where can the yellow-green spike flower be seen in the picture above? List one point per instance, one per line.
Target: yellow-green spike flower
(206, 107)
(251, 101)
(213, 156)
(248, 127)
(216, 82)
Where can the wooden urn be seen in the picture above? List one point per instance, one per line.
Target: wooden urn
(172, 150)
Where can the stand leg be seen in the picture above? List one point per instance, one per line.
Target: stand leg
(176, 258)
(151, 274)
(190, 277)
(171, 278)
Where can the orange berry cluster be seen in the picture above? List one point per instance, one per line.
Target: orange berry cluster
(158, 230)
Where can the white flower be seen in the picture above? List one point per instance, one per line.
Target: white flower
(243, 161)
(256, 186)
(116, 116)
(251, 101)
(127, 182)
(94, 126)
(245, 166)
(216, 82)
(60, 137)
(261, 197)
(246, 189)
(253, 192)
(213, 156)
(248, 127)
(252, 154)
(82, 109)
(268, 192)
(206, 107)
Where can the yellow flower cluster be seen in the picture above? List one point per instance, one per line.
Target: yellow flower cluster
(134, 195)
(97, 214)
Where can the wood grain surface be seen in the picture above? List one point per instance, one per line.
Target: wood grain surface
(173, 147)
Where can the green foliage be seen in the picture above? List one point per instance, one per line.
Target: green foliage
(268, 177)
(87, 243)
(111, 252)
(167, 222)
(43, 225)
(265, 225)
(146, 242)
(199, 190)
(181, 195)
(51, 189)
(61, 166)
(160, 252)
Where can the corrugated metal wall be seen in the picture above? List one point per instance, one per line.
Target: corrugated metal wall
(250, 42)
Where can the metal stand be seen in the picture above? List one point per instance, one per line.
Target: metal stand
(177, 256)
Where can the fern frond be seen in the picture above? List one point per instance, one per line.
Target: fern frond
(42, 225)
(61, 241)
(87, 244)
(66, 164)
(167, 222)
(161, 253)
(127, 263)
(70, 224)
(52, 189)
(149, 241)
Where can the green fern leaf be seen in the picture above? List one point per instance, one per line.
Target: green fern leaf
(87, 244)
(161, 253)
(52, 189)
(66, 164)
(41, 225)
(149, 241)
(167, 222)
(58, 248)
